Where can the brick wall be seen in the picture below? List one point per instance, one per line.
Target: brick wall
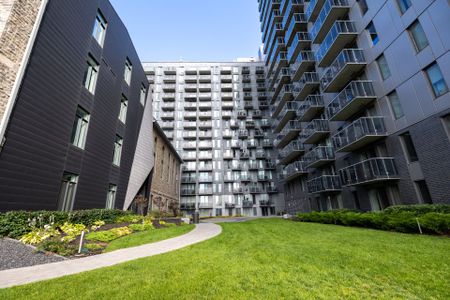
(17, 18)
(166, 172)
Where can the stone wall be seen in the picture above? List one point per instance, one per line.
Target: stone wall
(166, 173)
(17, 18)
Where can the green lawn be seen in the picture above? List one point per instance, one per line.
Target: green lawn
(271, 259)
(146, 237)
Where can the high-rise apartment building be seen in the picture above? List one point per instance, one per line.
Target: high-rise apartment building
(216, 115)
(359, 95)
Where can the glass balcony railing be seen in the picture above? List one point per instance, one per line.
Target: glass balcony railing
(342, 70)
(314, 131)
(292, 150)
(301, 41)
(313, 10)
(304, 61)
(319, 156)
(295, 169)
(372, 170)
(339, 28)
(359, 133)
(355, 96)
(298, 20)
(313, 105)
(287, 113)
(289, 132)
(325, 183)
(331, 10)
(306, 85)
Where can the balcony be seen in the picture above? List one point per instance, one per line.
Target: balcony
(341, 34)
(205, 167)
(373, 170)
(205, 97)
(284, 77)
(301, 42)
(190, 115)
(287, 113)
(204, 115)
(243, 134)
(205, 179)
(168, 125)
(332, 10)
(189, 156)
(265, 123)
(238, 190)
(227, 114)
(295, 170)
(289, 132)
(261, 154)
(204, 134)
(167, 115)
(189, 145)
(190, 79)
(285, 95)
(168, 96)
(325, 184)
(305, 61)
(190, 106)
(203, 145)
(226, 87)
(249, 124)
(356, 96)
(227, 134)
(245, 178)
(319, 156)
(315, 131)
(254, 189)
(186, 168)
(308, 83)
(247, 204)
(244, 155)
(170, 79)
(187, 206)
(297, 23)
(257, 114)
(291, 152)
(230, 205)
(227, 154)
(187, 179)
(345, 67)
(242, 114)
(204, 78)
(279, 62)
(208, 204)
(190, 88)
(271, 190)
(313, 9)
(190, 135)
(187, 192)
(204, 106)
(360, 133)
(205, 191)
(227, 96)
(310, 108)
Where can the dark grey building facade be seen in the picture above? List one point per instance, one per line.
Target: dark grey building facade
(71, 138)
(360, 100)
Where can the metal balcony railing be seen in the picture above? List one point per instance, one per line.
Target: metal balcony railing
(317, 127)
(370, 171)
(309, 108)
(325, 183)
(319, 156)
(295, 169)
(324, 16)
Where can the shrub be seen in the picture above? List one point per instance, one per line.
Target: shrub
(17, 223)
(419, 209)
(129, 219)
(402, 219)
(141, 227)
(55, 245)
(93, 247)
(71, 231)
(108, 235)
(39, 235)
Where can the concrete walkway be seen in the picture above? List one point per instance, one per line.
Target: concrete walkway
(13, 277)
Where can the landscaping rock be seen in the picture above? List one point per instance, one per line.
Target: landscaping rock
(14, 254)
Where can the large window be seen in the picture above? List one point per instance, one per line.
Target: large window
(396, 106)
(404, 5)
(67, 192)
(117, 150)
(410, 149)
(123, 109)
(383, 67)
(424, 192)
(90, 77)
(80, 128)
(128, 71)
(111, 197)
(373, 33)
(99, 28)
(418, 36)
(436, 80)
(143, 95)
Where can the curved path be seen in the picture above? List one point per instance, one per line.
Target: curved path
(13, 277)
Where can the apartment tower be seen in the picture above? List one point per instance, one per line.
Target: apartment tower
(359, 101)
(216, 115)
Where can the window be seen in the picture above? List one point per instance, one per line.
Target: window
(446, 123)
(436, 80)
(117, 150)
(383, 67)
(372, 33)
(80, 128)
(409, 147)
(363, 6)
(396, 106)
(418, 36)
(123, 109)
(424, 192)
(67, 192)
(403, 5)
(90, 77)
(143, 95)
(111, 198)
(99, 28)
(128, 70)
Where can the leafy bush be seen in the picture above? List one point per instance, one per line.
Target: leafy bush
(93, 247)
(419, 209)
(141, 227)
(39, 235)
(55, 245)
(108, 235)
(71, 231)
(402, 219)
(17, 223)
(129, 219)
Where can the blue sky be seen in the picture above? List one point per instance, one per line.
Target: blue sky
(192, 30)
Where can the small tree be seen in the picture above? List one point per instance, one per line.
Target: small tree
(174, 206)
(141, 204)
(161, 204)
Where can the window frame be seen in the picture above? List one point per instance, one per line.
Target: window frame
(111, 196)
(118, 146)
(91, 74)
(143, 95)
(432, 85)
(374, 36)
(377, 60)
(80, 128)
(68, 188)
(414, 38)
(389, 98)
(123, 109)
(401, 8)
(128, 71)
(100, 23)
(411, 157)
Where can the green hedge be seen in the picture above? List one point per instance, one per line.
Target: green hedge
(433, 219)
(14, 224)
